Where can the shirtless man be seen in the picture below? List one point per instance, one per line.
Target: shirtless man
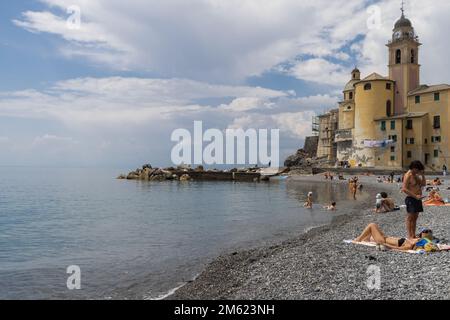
(412, 186)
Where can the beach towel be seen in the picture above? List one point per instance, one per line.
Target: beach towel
(442, 247)
(436, 204)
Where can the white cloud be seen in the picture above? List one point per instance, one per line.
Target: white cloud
(321, 71)
(54, 140)
(201, 39)
(113, 101)
(223, 40)
(133, 116)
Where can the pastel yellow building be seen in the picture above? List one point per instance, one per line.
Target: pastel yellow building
(387, 122)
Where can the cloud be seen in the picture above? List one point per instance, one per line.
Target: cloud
(214, 40)
(114, 101)
(137, 115)
(321, 71)
(49, 139)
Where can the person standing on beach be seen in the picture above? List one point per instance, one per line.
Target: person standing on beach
(309, 201)
(412, 186)
(444, 170)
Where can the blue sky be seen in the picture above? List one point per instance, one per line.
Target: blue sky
(111, 92)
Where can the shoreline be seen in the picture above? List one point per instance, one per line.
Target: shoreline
(314, 264)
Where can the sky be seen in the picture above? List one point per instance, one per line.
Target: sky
(107, 87)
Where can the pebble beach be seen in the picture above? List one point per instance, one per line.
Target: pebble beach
(318, 265)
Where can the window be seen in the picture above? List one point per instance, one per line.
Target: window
(392, 158)
(413, 56)
(398, 56)
(417, 99)
(409, 141)
(437, 122)
(409, 124)
(349, 108)
(437, 96)
(388, 86)
(388, 108)
(393, 138)
(392, 149)
(409, 154)
(368, 86)
(392, 125)
(436, 153)
(383, 125)
(350, 95)
(426, 141)
(437, 139)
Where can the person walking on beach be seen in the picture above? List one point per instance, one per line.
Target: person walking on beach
(354, 186)
(412, 186)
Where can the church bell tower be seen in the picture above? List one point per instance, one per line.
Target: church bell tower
(404, 67)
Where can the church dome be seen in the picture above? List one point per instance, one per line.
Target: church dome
(350, 85)
(403, 22)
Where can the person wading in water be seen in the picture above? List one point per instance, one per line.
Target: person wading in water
(412, 186)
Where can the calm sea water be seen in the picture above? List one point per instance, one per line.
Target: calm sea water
(135, 240)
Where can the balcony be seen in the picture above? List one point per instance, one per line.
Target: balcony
(343, 135)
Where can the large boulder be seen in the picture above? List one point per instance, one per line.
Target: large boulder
(133, 176)
(146, 173)
(298, 160)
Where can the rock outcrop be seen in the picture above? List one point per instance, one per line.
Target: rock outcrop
(184, 173)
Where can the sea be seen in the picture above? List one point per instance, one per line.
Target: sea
(82, 234)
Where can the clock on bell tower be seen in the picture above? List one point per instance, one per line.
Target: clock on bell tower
(404, 67)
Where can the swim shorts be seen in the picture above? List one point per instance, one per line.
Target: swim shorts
(413, 205)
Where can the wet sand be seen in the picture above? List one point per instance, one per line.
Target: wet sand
(318, 265)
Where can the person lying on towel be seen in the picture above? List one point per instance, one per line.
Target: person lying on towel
(424, 241)
(434, 199)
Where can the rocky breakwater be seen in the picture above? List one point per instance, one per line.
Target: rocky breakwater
(181, 173)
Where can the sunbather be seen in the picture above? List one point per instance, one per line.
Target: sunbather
(373, 233)
(434, 199)
(437, 182)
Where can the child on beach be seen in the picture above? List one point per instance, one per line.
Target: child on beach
(309, 202)
(378, 203)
